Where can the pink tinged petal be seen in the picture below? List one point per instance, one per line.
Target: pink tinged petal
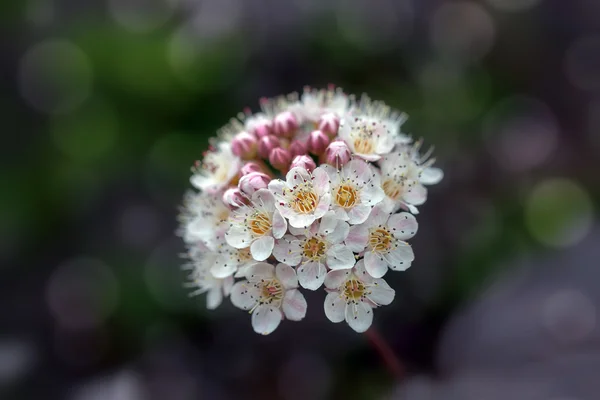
(214, 298)
(361, 273)
(262, 248)
(294, 305)
(385, 144)
(328, 223)
(335, 279)
(227, 285)
(238, 236)
(223, 268)
(340, 257)
(403, 225)
(375, 264)
(335, 307)
(311, 275)
(340, 213)
(412, 209)
(357, 238)
(359, 214)
(381, 293)
(377, 217)
(431, 176)
(369, 157)
(277, 186)
(279, 225)
(264, 199)
(358, 169)
(332, 173)
(342, 229)
(389, 206)
(359, 316)
(320, 181)
(297, 176)
(371, 194)
(401, 258)
(259, 271)
(302, 220)
(323, 206)
(415, 193)
(265, 319)
(288, 251)
(244, 295)
(300, 231)
(286, 275)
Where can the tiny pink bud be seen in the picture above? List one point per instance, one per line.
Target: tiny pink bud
(280, 159)
(297, 148)
(260, 126)
(266, 144)
(250, 167)
(285, 124)
(244, 145)
(337, 153)
(233, 197)
(317, 142)
(303, 161)
(329, 124)
(252, 182)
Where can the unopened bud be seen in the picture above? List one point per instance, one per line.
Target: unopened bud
(233, 197)
(266, 145)
(250, 167)
(285, 124)
(317, 142)
(244, 145)
(337, 153)
(297, 148)
(303, 161)
(329, 123)
(252, 182)
(280, 159)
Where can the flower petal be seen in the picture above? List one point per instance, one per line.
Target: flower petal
(320, 181)
(357, 238)
(286, 275)
(371, 194)
(335, 279)
(328, 223)
(381, 293)
(238, 236)
(335, 307)
(377, 217)
(262, 248)
(323, 206)
(288, 250)
(259, 271)
(431, 176)
(279, 225)
(265, 319)
(214, 298)
(403, 225)
(359, 214)
(340, 257)
(264, 199)
(359, 316)
(375, 264)
(276, 186)
(311, 275)
(294, 305)
(223, 267)
(415, 193)
(296, 176)
(302, 220)
(342, 229)
(401, 257)
(361, 273)
(244, 295)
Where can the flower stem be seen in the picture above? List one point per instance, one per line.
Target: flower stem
(392, 362)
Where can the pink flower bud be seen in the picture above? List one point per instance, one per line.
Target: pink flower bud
(337, 153)
(252, 182)
(285, 124)
(244, 145)
(250, 167)
(233, 197)
(329, 124)
(317, 142)
(260, 126)
(266, 144)
(280, 159)
(303, 161)
(297, 148)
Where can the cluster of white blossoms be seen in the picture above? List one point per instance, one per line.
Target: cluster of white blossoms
(315, 191)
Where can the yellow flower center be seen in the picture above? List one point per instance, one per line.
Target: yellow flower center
(380, 239)
(346, 196)
(392, 189)
(271, 291)
(259, 223)
(354, 289)
(364, 145)
(314, 248)
(244, 255)
(304, 200)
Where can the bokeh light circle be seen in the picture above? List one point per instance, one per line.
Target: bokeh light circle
(559, 212)
(141, 16)
(513, 5)
(569, 316)
(462, 31)
(521, 132)
(55, 76)
(139, 225)
(17, 359)
(82, 293)
(582, 63)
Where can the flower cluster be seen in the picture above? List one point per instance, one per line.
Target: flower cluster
(318, 190)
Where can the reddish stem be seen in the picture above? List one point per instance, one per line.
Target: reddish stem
(387, 354)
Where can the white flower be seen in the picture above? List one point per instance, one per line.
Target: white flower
(201, 278)
(355, 189)
(303, 197)
(314, 103)
(367, 138)
(269, 293)
(401, 184)
(314, 249)
(428, 175)
(352, 296)
(256, 226)
(383, 235)
(218, 169)
(377, 111)
(204, 218)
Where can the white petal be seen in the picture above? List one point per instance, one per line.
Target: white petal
(276, 186)
(400, 258)
(227, 285)
(238, 236)
(286, 275)
(375, 264)
(361, 273)
(342, 229)
(323, 206)
(328, 223)
(381, 292)
(358, 169)
(279, 225)
(371, 194)
(265, 319)
(259, 271)
(431, 176)
(300, 231)
(262, 248)
(377, 217)
(264, 199)
(335, 279)
(340, 257)
(335, 307)
(415, 193)
(389, 206)
(311, 275)
(320, 181)
(214, 298)
(359, 316)
(294, 305)
(223, 267)
(412, 209)
(302, 220)
(244, 295)
(357, 238)
(332, 173)
(403, 225)
(296, 176)
(288, 250)
(359, 214)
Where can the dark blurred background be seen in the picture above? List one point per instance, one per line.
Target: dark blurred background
(105, 105)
